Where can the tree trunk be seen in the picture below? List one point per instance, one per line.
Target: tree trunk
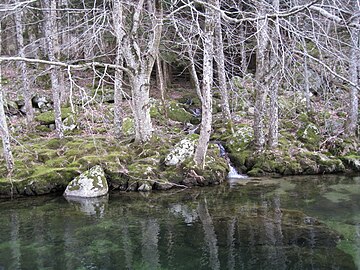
(139, 56)
(119, 33)
(261, 89)
(141, 106)
(220, 60)
(4, 131)
(26, 90)
(274, 85)
(206, 95)
(353, 113)
(161, 83)
(50, 34)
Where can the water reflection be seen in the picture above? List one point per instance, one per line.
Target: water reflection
(90, 206)
(253, 226)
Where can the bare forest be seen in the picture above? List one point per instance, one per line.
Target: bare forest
(164, 93)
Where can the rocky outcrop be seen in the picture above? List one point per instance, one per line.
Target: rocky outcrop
(91, 183)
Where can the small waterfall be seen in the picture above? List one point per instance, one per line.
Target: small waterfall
(233, 174)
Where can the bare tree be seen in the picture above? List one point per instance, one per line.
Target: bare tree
(26, 90)
(274, 85)
(140, 46)
(261, 90)
(4, 131)
(220, 60)
(206, 91)
(50, 30)
(119, 34)
(353, 113)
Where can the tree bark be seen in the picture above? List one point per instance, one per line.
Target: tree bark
(119, 34)
(139, 56)
(261, 89)
(4, 131)
(353, 113)
(27, 93)
(161, 83)
(141, 106)
(274, 85)
(50, 34)
(220, 60)
(206, 95)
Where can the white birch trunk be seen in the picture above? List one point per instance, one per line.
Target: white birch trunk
(50, 26)
(206, 95)
(24, 71)
(4, 131)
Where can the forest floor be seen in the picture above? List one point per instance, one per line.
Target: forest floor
(309, 142)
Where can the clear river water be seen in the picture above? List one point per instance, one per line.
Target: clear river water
(310, 222)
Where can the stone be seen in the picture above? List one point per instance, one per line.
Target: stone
(91, 183)
(181, 151)
(144, 187)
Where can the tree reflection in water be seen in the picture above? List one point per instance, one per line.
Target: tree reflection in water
(218, 228)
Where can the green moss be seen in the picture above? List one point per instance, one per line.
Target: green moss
(128, 126)
(310, 135)
(178, 113)
(48, 118)
(352, 161)
(256, 172)
(42, 128)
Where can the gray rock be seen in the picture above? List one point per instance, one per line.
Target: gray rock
(144, 187)
(91, 183)
(181, 151)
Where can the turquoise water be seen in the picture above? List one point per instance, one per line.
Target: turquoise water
(288, 223)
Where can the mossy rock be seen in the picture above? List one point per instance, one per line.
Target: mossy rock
(240, 140)
(310, 135)
(325, 163)
(255, 172)
(352, 162)
(48, 118)
(46, 180)
(177, 113)
(140, 171)
(117, 177)
(239, 159)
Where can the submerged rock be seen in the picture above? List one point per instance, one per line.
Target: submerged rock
(91, 183)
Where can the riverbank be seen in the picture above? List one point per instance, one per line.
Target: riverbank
(44, 164)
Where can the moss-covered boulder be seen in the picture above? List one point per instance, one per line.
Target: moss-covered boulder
(177, 113)
(309, 134)
(352, 161)
(91, 183)
(47, 118)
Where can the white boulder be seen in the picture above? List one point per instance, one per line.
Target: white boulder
(91, 183)
(181, 151)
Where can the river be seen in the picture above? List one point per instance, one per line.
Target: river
(308, 222)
